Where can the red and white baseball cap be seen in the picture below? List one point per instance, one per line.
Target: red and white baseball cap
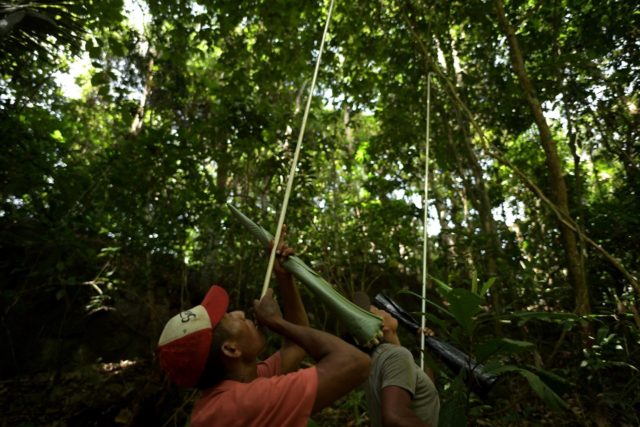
(184, 344)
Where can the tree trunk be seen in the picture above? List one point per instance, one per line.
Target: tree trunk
(476, 189)
(136, 124)
(575, 264)
(446, 237)
(487, 223)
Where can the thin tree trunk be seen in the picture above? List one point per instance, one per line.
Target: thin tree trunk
(467, 160)
(577, 274)
(446, 238)
(136, 124)
(487, 222)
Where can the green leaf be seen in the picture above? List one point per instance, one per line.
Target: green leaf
(543, 315)
(99, 78)
(550, 397)
(464, 305)
(556, 382)
(487, 285)
(442, 285)
(57, 135)
(117, 47)
(428, 301)
(433, 320)
(94, 52)
(103, 91)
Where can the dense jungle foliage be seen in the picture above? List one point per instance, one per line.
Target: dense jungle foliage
(128, 126)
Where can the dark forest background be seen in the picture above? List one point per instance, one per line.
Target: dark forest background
(113, 199)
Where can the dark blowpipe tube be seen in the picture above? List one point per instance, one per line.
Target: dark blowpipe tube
(479, 381)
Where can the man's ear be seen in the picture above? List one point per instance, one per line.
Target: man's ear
(231, 349)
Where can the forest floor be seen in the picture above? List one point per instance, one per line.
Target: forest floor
(103, 394)
(135, 393)
(128, 393)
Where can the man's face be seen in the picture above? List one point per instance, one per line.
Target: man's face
(389, 323)
(245, 332)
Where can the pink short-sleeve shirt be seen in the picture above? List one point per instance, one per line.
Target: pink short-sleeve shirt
(269, 400)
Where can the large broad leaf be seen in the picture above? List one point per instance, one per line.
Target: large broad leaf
(549, 396)
(558, 383)
(464, 305)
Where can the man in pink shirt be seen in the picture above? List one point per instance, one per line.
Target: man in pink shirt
(217, 352)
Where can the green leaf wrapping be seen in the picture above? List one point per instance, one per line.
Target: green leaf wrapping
(364, 327)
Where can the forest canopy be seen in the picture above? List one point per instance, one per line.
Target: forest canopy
(128, 126)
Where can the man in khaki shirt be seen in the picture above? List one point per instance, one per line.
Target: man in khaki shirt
(398, 392)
